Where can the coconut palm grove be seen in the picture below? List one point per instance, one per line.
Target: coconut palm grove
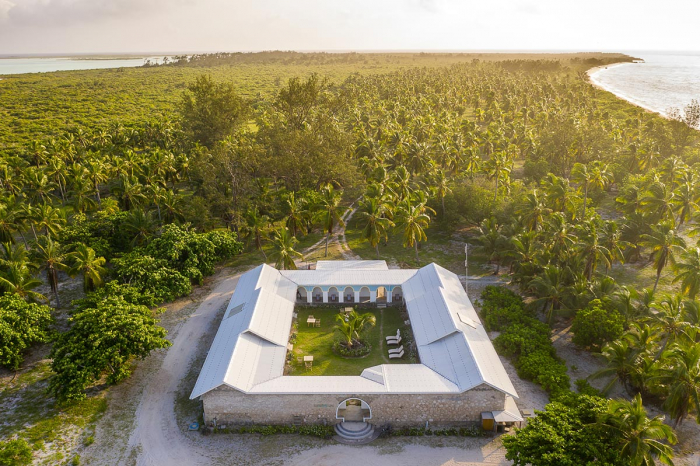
(125, 190)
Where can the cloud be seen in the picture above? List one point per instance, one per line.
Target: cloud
(5, 7)
(67, 12)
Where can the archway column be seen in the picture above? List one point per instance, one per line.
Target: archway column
(372, 296)
(357, 296)
(309, 295)
(389, 294)
(325, 296)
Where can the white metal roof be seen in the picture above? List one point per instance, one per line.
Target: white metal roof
(352, 265)
(248, 352)
(348, 277)
(510, 412)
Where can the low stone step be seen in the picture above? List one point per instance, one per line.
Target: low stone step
(355, 433)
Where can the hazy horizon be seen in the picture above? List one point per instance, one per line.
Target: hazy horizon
(103, 27)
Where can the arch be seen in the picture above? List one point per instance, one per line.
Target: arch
(302, 294)
(348, 295)
(317, 295)
(364, 294)
(381, 294)
(353, 409)
(333, 294)
(397, 294)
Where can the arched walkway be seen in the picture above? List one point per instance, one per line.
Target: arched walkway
(348, 295)
(381, 295)
(317, 295)
(301, 295)
(333, 294)
(364, 295)
(353, 410)
(397, 294)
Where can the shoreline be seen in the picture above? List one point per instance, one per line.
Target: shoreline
(620, 95)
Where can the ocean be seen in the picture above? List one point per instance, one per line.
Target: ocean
(663, 81)
(45, 65)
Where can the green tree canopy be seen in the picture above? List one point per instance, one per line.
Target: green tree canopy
(102, 340)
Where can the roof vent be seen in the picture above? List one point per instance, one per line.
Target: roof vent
(466, 320)
(235, 310)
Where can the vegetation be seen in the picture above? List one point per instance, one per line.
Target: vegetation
(22, 324)
(140, 180)
(320, 341)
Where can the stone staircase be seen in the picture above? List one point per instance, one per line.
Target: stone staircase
(355, 433)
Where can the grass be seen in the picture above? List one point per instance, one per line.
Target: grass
(318, 342)
(29, 413)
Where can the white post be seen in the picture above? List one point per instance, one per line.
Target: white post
(389, 294)
(357, 296)
(309, 296)
(325, 296)
(341, 295)
(466, 267)
(372, 296)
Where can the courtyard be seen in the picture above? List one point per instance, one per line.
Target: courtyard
(317, 341)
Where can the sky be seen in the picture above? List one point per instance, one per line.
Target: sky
(138, 26)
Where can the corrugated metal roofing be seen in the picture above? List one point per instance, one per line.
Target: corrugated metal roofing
(350, 277)
(248, 352)
(352, 265)
(510, 412)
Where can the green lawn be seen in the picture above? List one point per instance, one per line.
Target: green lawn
(318, 342)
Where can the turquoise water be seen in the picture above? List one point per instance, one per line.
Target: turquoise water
(45, 65)
(663, 81)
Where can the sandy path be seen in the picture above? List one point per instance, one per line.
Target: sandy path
(156, 434)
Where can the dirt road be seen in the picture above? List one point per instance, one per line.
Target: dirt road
(156, 435)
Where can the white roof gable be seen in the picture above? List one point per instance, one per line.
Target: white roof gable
(348, 277)
(351, 265)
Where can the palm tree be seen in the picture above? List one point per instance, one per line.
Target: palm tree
(18, 279)
(668, 320)
(498, 168)
(374, 212)
(551, 290)
(658, 202)
(330, 211)
(140, 225)
(354, 325)
(92, 267)
(533, 211)
(612, 241)
(688, 272)
(8, 224)
(49, 219)
(255, 229)
(283, 249)
(440, 185)
(50, 255)
(597, 175)
(665, 244)
(641, 438)
(681, 375)
(296, 213)
(172, 207)
(491, 241)
(414, 221)
(591, 247)
(621, 364)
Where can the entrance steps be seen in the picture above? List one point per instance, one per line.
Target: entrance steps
(355, 433)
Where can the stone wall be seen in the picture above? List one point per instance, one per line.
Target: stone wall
(230, 406)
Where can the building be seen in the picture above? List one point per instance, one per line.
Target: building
(459, 376)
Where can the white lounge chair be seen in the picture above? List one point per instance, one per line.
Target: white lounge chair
(396, 350)
(393, 342)
(394, 337)
(398, 355)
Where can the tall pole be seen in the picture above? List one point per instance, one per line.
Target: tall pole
(466, 267)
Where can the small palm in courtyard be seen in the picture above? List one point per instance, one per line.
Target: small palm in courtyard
(353, 326)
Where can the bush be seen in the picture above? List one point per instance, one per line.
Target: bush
(15, 453)
(225, 243)
(22, 324)
(184, 250)
(524, 338)
(151, 276)
(325, 432)
(594, 326)
(341, 349)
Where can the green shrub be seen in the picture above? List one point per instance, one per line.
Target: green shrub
(225, 243)
(594, 326)
(22, 324)
(524, 339)
(355, 352)
(15, 453)
(152, 276)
